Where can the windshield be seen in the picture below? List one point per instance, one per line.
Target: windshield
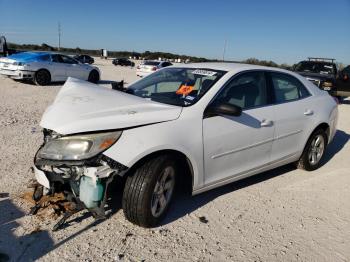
(314, 67)
(176, 86)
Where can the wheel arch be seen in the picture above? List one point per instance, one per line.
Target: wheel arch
(43, 69)
(324, 126)
(183, 161)
(97, 71)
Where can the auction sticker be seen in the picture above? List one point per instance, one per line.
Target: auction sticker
(203, 72)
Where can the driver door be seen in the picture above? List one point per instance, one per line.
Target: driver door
(58, 68)
(235, 145)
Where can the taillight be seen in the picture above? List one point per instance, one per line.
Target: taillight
(154, 68)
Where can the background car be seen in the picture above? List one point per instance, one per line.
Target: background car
(149, 67)
(43, 68)
(85, 59)
(122, 62)
(342, 83)
(202, 125)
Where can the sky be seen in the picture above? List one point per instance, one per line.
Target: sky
(281, 31)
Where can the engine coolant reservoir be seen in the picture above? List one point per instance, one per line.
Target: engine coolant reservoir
(90, 191)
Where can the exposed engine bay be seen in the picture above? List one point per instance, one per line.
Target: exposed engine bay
(84, 183)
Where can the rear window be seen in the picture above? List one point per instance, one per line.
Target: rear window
(45, 58)
(316, 67)
(152, 63)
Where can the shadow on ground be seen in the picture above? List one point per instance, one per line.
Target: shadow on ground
(184, 204)
(30, 246)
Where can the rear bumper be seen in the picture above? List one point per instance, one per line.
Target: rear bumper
(17, 74)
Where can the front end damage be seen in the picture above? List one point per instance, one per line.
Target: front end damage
(83, 182)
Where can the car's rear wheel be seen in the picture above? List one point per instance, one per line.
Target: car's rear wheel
(94, 77)
(42, 77)
(149, 191)
(314, 151)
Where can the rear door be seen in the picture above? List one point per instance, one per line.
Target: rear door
(293, 111)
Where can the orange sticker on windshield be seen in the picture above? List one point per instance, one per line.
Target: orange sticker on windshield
(184, 90)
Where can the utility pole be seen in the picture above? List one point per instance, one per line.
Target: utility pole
(223, 53)
(59, 36)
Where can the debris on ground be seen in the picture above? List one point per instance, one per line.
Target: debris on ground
(203, 219)
(48, 206)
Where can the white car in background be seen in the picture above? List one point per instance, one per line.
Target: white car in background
(44, 68)
(206, 124)
(149, 67)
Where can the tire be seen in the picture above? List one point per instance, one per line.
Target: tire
(311, 158)
(42, 77)
(94, 77)
(149, 191)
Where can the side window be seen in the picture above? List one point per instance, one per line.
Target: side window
(57, 59)
(68, 60)
(45, 58)
(246, 91)
(287, 88)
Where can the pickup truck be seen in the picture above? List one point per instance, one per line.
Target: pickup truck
(323, 73)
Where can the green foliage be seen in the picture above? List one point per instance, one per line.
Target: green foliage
(147, 54)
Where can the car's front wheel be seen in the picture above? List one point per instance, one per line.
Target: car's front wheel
(314, 151)
(42, 77)
(149, 191)
(94, 77)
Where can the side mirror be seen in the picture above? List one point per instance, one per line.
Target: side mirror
(222, 109)
(118, 86)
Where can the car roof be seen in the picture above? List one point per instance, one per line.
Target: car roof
(317, 62)
(231, 67)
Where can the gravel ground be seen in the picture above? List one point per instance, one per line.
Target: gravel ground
(285, 214)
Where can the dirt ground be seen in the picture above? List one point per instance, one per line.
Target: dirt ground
(281, 215)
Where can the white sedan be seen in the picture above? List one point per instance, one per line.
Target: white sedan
(149, 67)
(206, 124)
(44, 68)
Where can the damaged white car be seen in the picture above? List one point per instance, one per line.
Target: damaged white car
(208, 124)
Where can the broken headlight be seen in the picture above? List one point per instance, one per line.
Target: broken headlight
(78, 147)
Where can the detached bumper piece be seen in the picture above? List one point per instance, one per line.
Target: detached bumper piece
(81, 184)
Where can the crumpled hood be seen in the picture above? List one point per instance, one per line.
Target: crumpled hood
(84, 107)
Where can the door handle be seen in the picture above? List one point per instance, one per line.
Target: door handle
(266, 123)
(308, 112)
